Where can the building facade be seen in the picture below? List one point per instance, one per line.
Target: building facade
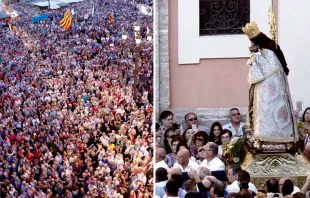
(208, 74)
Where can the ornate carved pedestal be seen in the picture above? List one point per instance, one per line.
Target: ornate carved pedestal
(264, 166)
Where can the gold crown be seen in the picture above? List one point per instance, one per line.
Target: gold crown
(251, 30)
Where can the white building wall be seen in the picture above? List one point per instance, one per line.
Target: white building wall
(193, 47)
(294, 39)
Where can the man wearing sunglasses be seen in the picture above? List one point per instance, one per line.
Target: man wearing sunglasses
(235, 125)
(191, 121)
(211, 161)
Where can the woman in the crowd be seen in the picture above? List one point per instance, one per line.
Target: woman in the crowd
(165, 122)
(169, 134)
(200, 139)
(225, 139)
(188, 137)
(171, 158)
(215, 131)
(304, 128)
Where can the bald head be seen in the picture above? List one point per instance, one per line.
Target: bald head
(160, 154)
(183, 153)
(174, 170)
(203, 172)
(183, 157)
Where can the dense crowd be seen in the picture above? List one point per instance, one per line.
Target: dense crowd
(70, 125)
(193, 160)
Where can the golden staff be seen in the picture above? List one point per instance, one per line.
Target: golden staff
(273, 26)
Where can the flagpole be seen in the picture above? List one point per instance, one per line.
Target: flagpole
(49, 4)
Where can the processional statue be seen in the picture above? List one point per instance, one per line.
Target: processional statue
(273, 150)
(271, 115)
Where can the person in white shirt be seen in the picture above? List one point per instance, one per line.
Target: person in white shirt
(232, 175)
(184, 163)
(161, 180)
(160, 159)
(235, 125)
(174, 173)
(211, 161)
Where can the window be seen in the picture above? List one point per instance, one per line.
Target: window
(218, 17)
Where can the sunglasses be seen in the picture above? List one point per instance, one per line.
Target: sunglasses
(236, 114)
(192, 119)
(199, 139)
(201, 150)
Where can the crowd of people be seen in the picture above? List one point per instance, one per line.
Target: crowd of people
(72, 121)
(191, 159)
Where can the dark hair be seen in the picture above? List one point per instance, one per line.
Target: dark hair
(234, 109)
(178, 178)
(243, 194)
(192, 195)
(243, 176)
(161, 174)
(303, 116)
(272, 185)
(172, 129)
(166, 144)
(212, 136)
(231, 195)
(177, 138)
(287, 187)
(226, 131)
(219, 190)
(164, 115)
(184, 133)
(244, 185)
(176, 126)
(190, 113)
(172, 187)
(264, 42)
(235, 169)
(157, 126)
(189, 185)
(299, 195)
(202, 134)
(183, 144)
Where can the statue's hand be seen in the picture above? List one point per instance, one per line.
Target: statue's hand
(296, 112)
(249, 62)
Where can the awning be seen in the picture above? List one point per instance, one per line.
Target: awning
(4, 15)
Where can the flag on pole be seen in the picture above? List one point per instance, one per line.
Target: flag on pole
(111, 18)
(93, 11)
(66, 22)
(12, 27)
(147, 30)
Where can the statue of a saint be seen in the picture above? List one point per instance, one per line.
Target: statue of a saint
(271, 114)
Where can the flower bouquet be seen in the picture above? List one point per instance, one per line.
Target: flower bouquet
(234, 152)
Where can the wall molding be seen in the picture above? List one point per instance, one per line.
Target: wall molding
(161, 62)
(192, 47)
(207, 116)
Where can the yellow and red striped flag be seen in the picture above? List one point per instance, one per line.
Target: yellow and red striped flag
(66, 22)
(111, 18)
(12, 27)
